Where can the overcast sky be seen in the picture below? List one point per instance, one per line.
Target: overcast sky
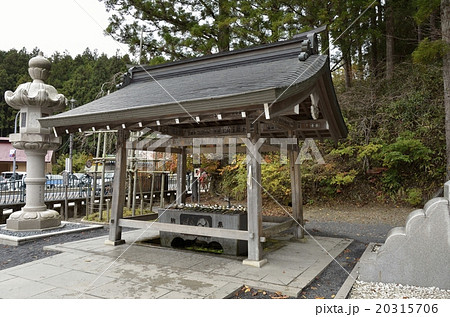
(56, 25)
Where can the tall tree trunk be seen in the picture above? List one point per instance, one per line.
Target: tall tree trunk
(360, 63)
(325, 43)
(224, 29)
(374, 43)
(347, 69)
(389, 40)
(434, 32)
(445, 27)
(419, 34)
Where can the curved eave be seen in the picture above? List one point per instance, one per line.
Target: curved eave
(330, 108)
(279, 83)
(99, 120)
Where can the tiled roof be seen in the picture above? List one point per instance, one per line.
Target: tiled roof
(212, 83)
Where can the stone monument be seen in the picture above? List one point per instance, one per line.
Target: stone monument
(417, 254)
(35, 100)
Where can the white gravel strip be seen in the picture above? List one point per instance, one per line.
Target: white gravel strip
(372, 290)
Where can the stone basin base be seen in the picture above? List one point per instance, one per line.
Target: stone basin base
(204, 219)
(37, 220)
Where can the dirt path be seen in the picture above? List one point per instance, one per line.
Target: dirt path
(350, 213)
(368, 214)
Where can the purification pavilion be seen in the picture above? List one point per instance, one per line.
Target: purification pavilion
(281, 90)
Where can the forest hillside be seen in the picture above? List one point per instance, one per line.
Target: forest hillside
(387, 66)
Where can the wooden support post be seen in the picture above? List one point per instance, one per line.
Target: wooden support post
(87, 203)
(129, 191)
(152, 189)
(102, 193)
(181, 177)
(130, 160)
(254, 208)
(162, 196)
(141, 196)
(118, 197)
(296, 189)
(107, 209)
(66, 200)
(133, 203)
(94, 181)
(75, 208)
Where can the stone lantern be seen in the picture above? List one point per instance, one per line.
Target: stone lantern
(35, 100)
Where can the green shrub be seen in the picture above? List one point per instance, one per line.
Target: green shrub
(344, 178)
(414, 196)
(404, 158)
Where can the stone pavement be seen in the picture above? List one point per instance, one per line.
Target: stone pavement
(91, 269)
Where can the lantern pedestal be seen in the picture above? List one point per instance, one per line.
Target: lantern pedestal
(35, 100)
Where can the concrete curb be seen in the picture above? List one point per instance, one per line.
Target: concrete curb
(15, 241)
(354, 274)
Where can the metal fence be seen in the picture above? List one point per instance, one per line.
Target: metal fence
(12, 192)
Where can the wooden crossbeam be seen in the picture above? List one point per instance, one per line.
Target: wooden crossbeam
(170, 130)
(193, 230)
(204, 118)
(287, 106)
(286, 123)
(280, 227)
(237, 129)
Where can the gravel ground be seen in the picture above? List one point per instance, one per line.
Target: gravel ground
(66, 226)
(30, 251)
(365, 290)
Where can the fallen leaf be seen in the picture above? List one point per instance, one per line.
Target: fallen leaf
(279, 297)
(312, 287)
(317, 297)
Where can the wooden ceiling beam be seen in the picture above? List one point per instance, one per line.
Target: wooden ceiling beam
(286, 106)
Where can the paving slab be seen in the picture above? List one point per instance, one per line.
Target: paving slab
(37, 272)
(210, 263)
(62, 293)
(91, 269)
(225, 290)
(130, 290)
(77, 280)
(4, 277)
(131, 271)
(229, 269)
(178, 295)
(21, 288)
(189, 261)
